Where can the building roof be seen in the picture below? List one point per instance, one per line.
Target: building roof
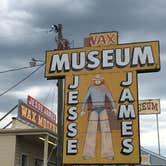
(32, 131)
(152, 153)
(154, 157)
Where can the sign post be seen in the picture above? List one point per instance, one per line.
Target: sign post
(100, 102)
(60, 121)
(158, 133)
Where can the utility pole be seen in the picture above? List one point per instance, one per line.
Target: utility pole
(60, 36)
(62, 44)
(60, 106)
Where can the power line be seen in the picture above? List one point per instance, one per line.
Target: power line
(7, 125)
(49, 92)
(16, 69)
(27, 34)
(9, 112)
(21, 80)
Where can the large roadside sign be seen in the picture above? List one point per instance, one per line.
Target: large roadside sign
(34, 117)
(101, 124)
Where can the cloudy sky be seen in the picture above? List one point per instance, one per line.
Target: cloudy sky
(24, 35)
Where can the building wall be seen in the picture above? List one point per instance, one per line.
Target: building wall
(32, 150)
(7, 150)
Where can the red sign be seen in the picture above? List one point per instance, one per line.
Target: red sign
(28, 114)
(103, 39)
(40, 107)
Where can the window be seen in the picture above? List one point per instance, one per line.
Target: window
(24, 160)
(38, 162)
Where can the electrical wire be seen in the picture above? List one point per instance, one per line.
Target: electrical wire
(27, 34)
(49, 92)
(7, 125)
(12, 87)
(9, 112)
(16, 69)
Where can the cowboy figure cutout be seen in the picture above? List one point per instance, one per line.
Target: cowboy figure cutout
(97, 98)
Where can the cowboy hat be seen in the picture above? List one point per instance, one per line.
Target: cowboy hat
(98, 77)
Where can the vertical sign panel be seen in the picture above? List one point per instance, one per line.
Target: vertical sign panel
(101, 119)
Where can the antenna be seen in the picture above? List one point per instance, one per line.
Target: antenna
(62, 43)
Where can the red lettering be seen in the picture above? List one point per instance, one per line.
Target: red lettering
(110, 38)
(93, 40)
(101, 40)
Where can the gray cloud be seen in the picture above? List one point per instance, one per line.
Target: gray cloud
(24, 34)
(24, 27)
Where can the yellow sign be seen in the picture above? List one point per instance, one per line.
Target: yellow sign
(139, 57)
(149, 106)
(103, 39)
(100, 104)
(101, 119)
